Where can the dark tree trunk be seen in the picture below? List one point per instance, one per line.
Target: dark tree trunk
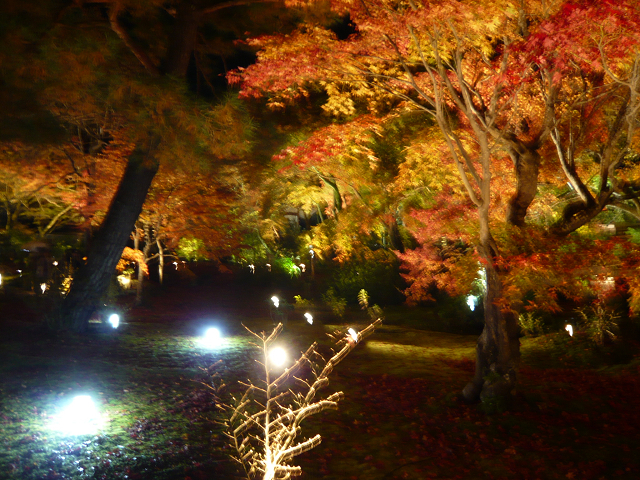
(92, 279)
(498, 348)
(577, 214)
(337, 197)
(183, 40)
(497, 351)
(395, 238)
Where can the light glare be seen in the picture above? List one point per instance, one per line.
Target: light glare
(114, 320)
(353, 334)
(277, 356)
(472, 302)
(309, 318)
(276, 301)
(80, 417)
(212, 338)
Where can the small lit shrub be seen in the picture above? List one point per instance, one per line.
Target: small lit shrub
(337, 304)
(374, 311)
(600, 324)
(531, 324)
(287, 266)
(302, 302)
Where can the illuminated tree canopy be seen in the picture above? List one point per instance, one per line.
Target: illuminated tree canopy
(506, 84)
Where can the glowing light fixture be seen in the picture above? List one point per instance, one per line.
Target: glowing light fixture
(114, 320)
(268, 267)
(569, 328)
(309, 318)
(303, 267)
(353, 334)
(43, 287)
(55, 263)
(276, 301)
(79, 417)
(472, 301)
(277, 356)
(0, 279)
(252, 268)
(212, 338)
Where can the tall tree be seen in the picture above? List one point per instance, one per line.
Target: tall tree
(85, 67)
(462, 63)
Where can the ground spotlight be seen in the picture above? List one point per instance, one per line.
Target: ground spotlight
(79, 417)
(114, 320)
(212, 338)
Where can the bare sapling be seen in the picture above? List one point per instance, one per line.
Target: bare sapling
(265, 422)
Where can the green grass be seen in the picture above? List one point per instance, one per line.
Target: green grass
(574, 415)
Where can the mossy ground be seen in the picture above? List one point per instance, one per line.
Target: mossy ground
(575, 413)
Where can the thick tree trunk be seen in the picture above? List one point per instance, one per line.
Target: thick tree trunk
(92, 279)
(526, 163)
(497, 351)
(498, 348)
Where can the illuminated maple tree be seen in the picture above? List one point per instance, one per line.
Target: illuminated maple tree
(500, 81)
(181, 205)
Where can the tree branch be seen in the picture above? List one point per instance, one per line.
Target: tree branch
(119, 30)
(234, 3)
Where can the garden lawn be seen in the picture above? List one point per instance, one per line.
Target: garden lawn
(401, 417)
